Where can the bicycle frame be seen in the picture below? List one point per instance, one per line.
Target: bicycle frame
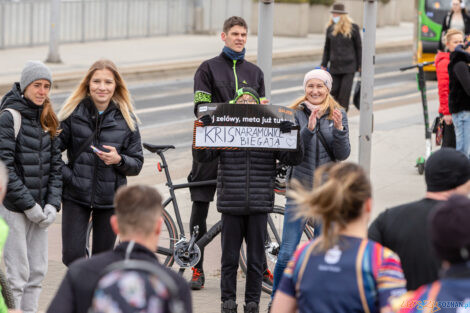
(172, 187)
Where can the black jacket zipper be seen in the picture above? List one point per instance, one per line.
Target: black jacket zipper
(96, 143)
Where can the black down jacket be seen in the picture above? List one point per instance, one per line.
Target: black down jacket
(342, 53)
(459, 81)
(89, 181)
(315, 154)
(33, 159)
(245, 179)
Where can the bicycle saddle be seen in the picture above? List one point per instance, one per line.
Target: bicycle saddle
(157, 148)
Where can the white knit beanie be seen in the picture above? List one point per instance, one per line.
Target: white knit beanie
(32, 71)
(322, 75)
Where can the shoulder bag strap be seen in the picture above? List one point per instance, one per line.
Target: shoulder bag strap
(325, 145)
(82, 148)
(16, 120)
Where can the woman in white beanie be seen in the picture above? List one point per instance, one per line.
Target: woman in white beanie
(29, 148)
(325, 134)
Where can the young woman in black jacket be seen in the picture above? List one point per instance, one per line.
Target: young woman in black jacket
(100, 134)
(343, 53)
(29, 148)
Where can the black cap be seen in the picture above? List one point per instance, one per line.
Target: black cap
(446, 169)
(450, 230)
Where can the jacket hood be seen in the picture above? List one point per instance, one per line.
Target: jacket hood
(14, 100)
(442, 56)
(459, 55)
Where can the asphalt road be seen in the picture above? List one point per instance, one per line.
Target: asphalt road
(166, 109)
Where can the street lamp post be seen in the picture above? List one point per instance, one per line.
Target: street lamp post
(367, 84)
(53, 56)
(265, 42)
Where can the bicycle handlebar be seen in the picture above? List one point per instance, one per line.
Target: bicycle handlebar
(416, 65)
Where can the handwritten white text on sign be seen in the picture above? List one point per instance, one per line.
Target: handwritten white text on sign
(245, 137)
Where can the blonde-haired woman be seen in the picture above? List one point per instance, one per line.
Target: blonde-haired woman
(342, 53)
(453, 38)
(341, 271)
(325, 135)
(100, 134)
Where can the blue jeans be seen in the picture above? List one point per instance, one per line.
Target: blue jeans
(291, 234)
(461, 122)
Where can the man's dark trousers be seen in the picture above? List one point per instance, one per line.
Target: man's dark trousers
(235, 228)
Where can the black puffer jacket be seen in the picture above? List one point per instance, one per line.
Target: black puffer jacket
(459, 81)
(344, 54)
(90, 182)
(245, 179)
(315, 154)
(33, 159)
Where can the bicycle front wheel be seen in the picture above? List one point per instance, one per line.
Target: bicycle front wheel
(273, 244)
(166, 242)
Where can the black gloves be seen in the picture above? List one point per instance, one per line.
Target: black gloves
(286, 126)
(206, 120)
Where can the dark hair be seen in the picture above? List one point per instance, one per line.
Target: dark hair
(339, 193)
(137, 208)
(234, 21)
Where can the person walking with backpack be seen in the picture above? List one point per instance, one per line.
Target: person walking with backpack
(29, 148)
(340, 271)
(100, 134)
(343, 53)
(325, 134)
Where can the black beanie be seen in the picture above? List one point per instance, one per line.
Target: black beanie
(446, 169)
(450, 231)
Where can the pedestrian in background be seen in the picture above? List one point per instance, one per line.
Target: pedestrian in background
(325, 134)
(100, 134)
(457, 18)
(341, 271)
(453, 38)
(459, 97)
(29, 148)
(342, 53)
(216, 81)
(450, 236)
(446, 172)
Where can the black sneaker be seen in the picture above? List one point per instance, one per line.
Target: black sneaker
(198, 280)
(229, 306)
(251, 307)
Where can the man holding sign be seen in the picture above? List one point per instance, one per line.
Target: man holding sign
(247, 140)
(216, 81)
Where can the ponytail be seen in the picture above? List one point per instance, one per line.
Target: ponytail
(339, 193)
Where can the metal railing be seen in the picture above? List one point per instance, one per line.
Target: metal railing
(27, 22)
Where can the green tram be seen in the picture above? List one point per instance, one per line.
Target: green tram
(431, 14)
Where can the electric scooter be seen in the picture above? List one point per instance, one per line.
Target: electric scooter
(427, 131)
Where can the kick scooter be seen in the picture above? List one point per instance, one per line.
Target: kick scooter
(427, 131)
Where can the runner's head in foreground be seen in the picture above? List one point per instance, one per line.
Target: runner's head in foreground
(341, 199)
(342, 255)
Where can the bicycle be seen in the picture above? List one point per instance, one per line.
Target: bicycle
(174, 247)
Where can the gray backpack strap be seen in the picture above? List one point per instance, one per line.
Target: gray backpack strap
(16, 120)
